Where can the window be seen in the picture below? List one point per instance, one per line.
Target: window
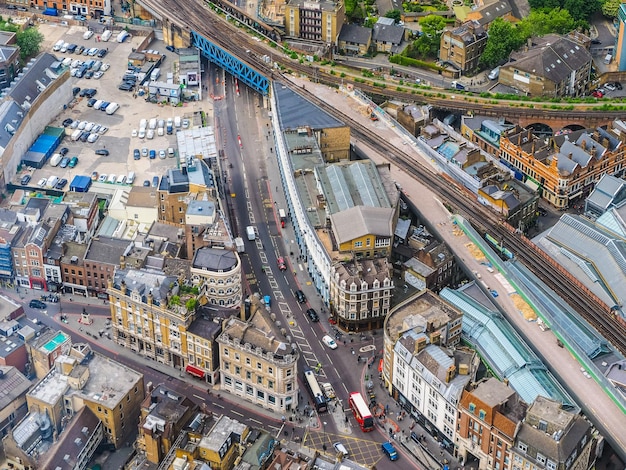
(249, 390)
(260, 395)
(288, 373)
(228, 381)
(271, 399)
(247, 361)
(472, 407)
(482, 414)
(259, 366)
(225, 352)
(270, 370)
(248, 375)
(541, 458)
(237, 370)
(521, 446)
(270, 384)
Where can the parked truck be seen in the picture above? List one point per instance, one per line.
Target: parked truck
(250, 232)
(240, 245)
(283, 217)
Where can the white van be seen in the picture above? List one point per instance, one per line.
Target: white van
(106, 35)
(112, 178)
(56, 159)
(67, 62)
(143, 123)
(76, 134)
(153, 123)
(87, 34)
(177, 121)
(121, 179)
(494, 74)
(57, 45)
(170, 152)
(608, 59)
(341, 449)
(131, 177)
(52, 182)
(112, 108)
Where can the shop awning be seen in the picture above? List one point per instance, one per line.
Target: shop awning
(195, 371)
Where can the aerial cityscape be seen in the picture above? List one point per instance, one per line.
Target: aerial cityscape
(312, 234)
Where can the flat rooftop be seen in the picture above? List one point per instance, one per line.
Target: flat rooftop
(221, 432)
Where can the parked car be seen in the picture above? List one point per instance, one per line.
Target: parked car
(618, 85)
(37, 304)
(136, 154)
(300, 296)
(94, 176)
(64, 151)
(103, 130)
(312, 314)
(102, 53)
(61, 184)
(84, 136)
(75, 90)
(98, 75)
(67, 122)
(146, 183)
(42, 182)
(328, 341)
(106, 66)
(25, 180)
(144, 152)
(73, 162)
(162, 154)
(64, 162)
(91, 102)
(93, 137)
(610, 86)
(103, 152)
(125, 87)
(152, 154)
(155, 181)
(102, 178)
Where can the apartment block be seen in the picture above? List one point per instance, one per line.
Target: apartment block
(551, 66)
(13, 388)
(428, 382)
(318, 21)
(489, 416)
(164, 415)
(45, 348)
(202, 348)
(568, 166)
(216, 272)
(150, 314)
(553, 438)
(257, 365)
(83, 378)
(463, 46)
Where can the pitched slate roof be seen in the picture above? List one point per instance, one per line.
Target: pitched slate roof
(552, 57)
(388, 33)
(359, 221)
(355, 34)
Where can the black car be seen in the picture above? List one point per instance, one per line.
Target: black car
(312, 314)
(91, 102)
(75, 90)
(67, 122)
(104, 152)
(146, 183)
(25, 180)
(170, 48)
(83, 92)
(596, 41)
(91, 92)
(37, 304)
(137, 156)
(125, 86)
(618, 85)
(71, 48)
(84, 136)
(11, 7)
(101, 53)
(64, 151)
(89, 74)
(300, 296)
(61, 184)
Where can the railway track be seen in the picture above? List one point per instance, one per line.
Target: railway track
(200, 18)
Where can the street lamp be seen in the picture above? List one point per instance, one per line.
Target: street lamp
(324, 438)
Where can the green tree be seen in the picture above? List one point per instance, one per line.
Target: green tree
(29, 42)
(542, 22)
(610, 8)
(395, 14)
(432, 25)
(191, 304)
(581, 10)
(503, 38)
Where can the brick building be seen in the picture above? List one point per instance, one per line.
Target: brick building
(463, 46)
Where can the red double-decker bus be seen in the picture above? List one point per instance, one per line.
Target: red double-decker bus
(361, 412)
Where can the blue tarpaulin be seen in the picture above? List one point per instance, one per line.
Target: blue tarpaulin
(51, 12)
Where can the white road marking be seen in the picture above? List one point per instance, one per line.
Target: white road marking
(198, 396)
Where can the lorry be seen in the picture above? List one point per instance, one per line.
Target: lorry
(283, 217)
(240, 245)
(250, 232)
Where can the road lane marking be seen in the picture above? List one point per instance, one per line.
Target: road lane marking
(220, 406)
(236, 413)
(255, 421)
(198, 396)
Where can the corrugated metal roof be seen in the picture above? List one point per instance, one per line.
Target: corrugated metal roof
(505, 352)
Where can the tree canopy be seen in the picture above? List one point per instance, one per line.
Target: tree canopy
(610, 8)
(581, 10)
(29, 41)
(395, 14)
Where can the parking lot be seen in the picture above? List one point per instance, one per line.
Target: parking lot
(118, 138)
